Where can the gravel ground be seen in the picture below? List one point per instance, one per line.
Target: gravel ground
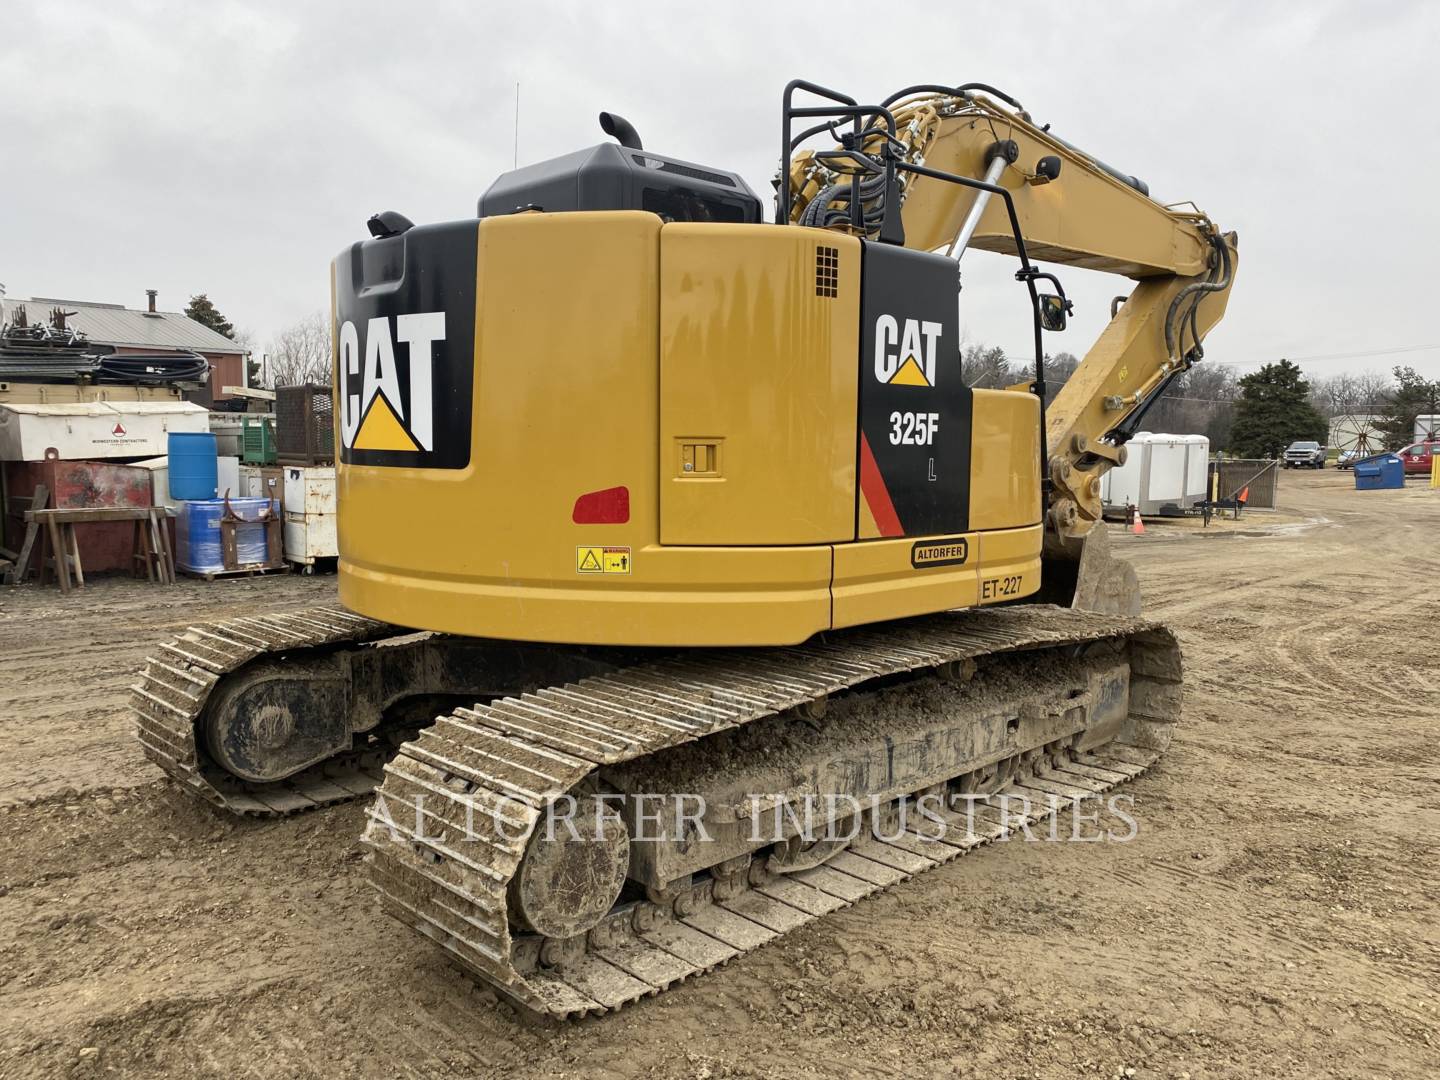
(1275, 916)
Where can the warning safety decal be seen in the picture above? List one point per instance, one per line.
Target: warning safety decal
(602, 560)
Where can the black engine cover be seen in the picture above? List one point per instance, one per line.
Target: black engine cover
(613, 177)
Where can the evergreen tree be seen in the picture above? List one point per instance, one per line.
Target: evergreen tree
(1273, 411)
(987, 367)
(1413, 397)
(1058, 369)
(204, 312)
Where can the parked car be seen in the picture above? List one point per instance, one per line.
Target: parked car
(1304, 455)
(1417, 457)
(1348, 458)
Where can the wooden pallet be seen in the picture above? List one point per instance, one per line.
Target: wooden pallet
(242, 571)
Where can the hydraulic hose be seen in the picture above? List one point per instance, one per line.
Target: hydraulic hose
(1197, 289)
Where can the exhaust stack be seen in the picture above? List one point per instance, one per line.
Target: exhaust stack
(621, 130)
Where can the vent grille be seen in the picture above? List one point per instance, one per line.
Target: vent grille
(827, 271)
(683, 170)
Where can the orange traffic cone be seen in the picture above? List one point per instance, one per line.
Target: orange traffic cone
(1137, 526)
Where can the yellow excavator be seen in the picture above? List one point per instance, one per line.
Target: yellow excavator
(648, 504)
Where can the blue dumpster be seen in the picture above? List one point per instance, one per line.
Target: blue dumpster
(1380, 471)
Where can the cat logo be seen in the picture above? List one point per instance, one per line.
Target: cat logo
(908, 358)
(374, 413)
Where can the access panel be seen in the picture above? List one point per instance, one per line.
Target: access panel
(758, 341)
(915, 409)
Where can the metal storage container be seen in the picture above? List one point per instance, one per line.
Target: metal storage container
(227, 477)
(304, 425)
(309, 501)
(263, 481)
(85, 431)
(226, 427)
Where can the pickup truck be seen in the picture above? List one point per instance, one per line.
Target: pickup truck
(1304, 455)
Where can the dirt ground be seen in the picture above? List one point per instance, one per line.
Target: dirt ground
(1275, 916)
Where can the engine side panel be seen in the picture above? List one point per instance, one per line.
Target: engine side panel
(604, 357)
(565, 404)
(757, 385)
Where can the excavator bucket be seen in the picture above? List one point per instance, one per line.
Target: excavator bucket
(1083, 574)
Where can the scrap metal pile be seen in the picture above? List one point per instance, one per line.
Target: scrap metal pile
(56, 352)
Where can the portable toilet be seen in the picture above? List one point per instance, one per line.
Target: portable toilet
(1197, 469)
(1379, 472)
(1164, 475)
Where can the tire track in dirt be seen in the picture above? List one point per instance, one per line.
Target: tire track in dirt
(180, 944)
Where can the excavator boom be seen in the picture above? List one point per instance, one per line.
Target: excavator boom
(1060, 205)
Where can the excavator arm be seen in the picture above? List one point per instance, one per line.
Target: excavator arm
(1031, 194)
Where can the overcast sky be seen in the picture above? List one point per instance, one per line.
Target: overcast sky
(234, 148)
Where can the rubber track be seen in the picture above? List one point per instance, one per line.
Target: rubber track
(180, 677)
(445, 872)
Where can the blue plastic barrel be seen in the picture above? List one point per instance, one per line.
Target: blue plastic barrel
(197, 533)
(193, 465)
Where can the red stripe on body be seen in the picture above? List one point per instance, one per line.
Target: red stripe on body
(877, 496)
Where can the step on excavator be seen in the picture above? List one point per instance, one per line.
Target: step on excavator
(645, 500)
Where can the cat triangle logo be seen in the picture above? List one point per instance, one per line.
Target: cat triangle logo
(917, 340)
(381, 430)
(909, 374)
(384, 404)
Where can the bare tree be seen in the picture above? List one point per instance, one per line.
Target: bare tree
(1356, 393)
(300, 353)
(1200, 402)
(1333, 395)
(1373, 392)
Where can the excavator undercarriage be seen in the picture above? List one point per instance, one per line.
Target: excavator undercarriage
(885, 751)
(596, 824)
(936, 731)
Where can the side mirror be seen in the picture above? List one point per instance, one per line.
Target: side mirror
(1054, 311)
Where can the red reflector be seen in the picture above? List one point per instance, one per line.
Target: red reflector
(608, 507)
